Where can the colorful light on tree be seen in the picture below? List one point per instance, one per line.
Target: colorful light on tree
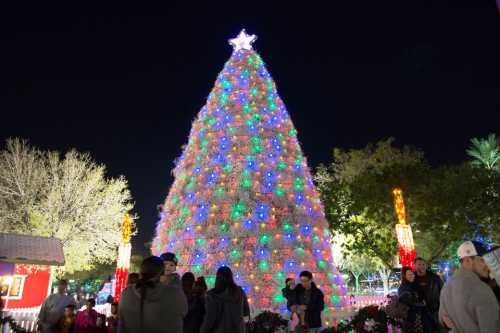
(123, 262)
(243, 195)
(407, 252)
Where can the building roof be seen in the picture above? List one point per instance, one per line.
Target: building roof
(27, 249)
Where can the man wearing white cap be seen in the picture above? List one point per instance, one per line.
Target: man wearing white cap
(468, 305)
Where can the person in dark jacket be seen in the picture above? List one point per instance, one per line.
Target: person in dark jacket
(290, 295)
(226, 305)
(419, 319)
(311, 302)
(429, 287)
(291, 304)
(200, 287)
(196, 304)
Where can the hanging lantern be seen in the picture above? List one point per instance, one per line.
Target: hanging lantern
(123, 262)
(407, 252)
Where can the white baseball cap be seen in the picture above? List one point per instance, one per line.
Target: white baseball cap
(471, 249)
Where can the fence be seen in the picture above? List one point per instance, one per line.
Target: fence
(24, 317)
(356, 302)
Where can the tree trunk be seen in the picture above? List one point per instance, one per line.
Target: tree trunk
(356, 282)
(384, 276)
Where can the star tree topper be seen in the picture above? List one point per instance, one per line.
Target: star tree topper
(243, 41)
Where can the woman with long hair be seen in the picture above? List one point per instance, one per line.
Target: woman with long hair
(418, 319)
(226, 305)
(200, 286)
(150, 306)
(196, 304)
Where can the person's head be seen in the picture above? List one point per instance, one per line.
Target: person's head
(69, 310)
(470, 254)
(289, 282)
(132, 279)
(224, 279)
(114, 308)
(90, 303)
(187, 282)
(200, 285)
(101, 320)
(407, 275)
(306, 278)
(420, 266)
(62, 286)
(151, 269)
(170, 262)
(110, 299)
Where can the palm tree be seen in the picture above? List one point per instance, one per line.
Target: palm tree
(486, 152)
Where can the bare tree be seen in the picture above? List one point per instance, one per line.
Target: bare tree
(69, 197)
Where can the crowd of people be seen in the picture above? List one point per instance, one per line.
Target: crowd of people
(159, 300)
(61, 313)
(467, 303)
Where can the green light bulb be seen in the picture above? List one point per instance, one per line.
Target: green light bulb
(263, 265)
(184, 211)
(235, 254)
(264, 239)
(278, 298)
(246, 183)
(281, 165)
(279, 276)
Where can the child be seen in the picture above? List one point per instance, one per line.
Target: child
(100, 324)
(170, 277)
(67, 323)
(290, 294)
(113, 319)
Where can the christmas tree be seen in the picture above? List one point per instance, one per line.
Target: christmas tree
(243, 195)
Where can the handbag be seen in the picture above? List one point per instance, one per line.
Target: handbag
(395, 309)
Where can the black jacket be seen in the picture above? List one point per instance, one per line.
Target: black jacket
(224, 312)
(291, 297)
(315, 306)
(408, 295)
(431, 292)
(196, 312)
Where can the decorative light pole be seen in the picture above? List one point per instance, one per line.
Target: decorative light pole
(123, 262)
(407, 252)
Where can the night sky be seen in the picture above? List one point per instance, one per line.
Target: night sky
(125, 83)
